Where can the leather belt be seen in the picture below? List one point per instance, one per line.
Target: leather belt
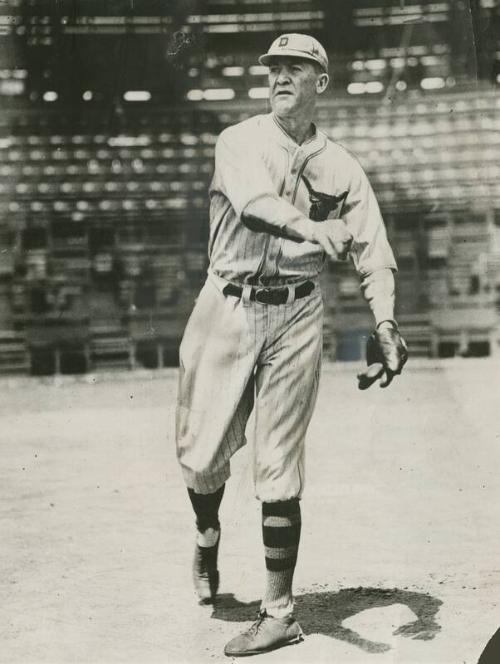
(271, 295)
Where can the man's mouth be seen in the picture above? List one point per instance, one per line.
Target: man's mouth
(278, 93)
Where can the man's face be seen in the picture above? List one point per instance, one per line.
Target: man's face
(293, 85)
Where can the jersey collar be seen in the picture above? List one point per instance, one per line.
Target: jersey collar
(310, 145)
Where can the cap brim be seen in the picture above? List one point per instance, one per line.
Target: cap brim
(285, 53)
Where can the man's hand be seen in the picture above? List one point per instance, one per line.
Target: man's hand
(386, 355)
(333, 237)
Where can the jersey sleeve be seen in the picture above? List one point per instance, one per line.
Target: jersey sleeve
(371, 252)
(370, 249)
(242, 176)
(378, 290)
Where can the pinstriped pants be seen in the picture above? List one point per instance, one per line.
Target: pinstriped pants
(237, 355)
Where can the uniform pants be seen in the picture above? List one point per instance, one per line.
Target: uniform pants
(237, 355)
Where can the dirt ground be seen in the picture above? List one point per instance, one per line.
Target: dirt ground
(399, 559)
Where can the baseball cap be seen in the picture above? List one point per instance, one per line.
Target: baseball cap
(299, 46)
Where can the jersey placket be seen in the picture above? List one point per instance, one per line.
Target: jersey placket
(295, 163)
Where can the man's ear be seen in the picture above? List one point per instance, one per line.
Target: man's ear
(322, 82)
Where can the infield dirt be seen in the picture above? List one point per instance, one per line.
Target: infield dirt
(399, 559)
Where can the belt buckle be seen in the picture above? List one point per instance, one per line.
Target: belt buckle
(264, 292)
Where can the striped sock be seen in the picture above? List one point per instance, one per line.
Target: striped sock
(281, 533)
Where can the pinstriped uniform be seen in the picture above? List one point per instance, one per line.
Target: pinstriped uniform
(238, 354)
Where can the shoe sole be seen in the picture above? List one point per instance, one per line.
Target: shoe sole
(249, 653)
(207, 601)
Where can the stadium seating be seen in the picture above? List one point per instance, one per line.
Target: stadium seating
(104, 230)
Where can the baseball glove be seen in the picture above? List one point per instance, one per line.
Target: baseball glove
(386, 355)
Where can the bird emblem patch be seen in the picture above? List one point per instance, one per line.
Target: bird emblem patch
(322, 204)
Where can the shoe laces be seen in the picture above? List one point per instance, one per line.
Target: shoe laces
(254, 628)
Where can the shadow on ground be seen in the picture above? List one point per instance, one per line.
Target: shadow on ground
(324, 613)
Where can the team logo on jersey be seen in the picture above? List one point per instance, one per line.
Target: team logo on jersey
(322, 204)
(283, 41)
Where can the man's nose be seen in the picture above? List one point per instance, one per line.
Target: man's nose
(283, 75)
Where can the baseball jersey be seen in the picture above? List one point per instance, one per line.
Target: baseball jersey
(262, 173)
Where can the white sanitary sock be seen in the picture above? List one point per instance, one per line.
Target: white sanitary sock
(207, 538)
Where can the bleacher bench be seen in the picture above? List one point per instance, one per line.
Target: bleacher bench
(419, 335)
(110, 349)
(14, 356)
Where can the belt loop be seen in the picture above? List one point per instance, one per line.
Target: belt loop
(291, 295)
(245, 294)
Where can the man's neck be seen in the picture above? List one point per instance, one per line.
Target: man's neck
(299, 129)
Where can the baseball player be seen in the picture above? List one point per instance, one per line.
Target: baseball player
(282, 200)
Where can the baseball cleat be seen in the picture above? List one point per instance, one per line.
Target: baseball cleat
(267, 633)
(205, 572)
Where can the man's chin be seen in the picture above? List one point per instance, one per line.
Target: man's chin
(283, 105)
